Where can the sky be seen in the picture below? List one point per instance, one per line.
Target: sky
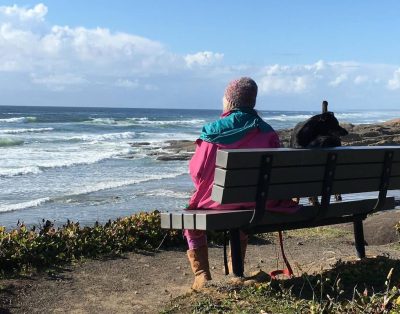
(182, 54)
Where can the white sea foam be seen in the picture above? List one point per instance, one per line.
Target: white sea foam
(81, 159)
(103, 121)
(19, 131)
(23, 205)
(86, 190)
(12, 172)
(18, 120)
(103, 137)
(61, 159)
(167, 122)
(156, 137)
(285, 118)
(168, 193)
(117, 184)
(145, 122)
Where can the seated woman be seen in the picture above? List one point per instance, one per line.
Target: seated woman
(239, 127)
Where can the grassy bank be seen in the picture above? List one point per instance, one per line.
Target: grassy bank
(24, 249)
(367, 286)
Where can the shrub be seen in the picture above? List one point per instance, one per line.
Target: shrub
(46, 245)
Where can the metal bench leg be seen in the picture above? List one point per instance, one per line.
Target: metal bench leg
(359, 238)
(236, 254)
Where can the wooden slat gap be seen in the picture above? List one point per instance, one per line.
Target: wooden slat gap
(305, 166)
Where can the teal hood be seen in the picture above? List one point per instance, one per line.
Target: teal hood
(233, 126)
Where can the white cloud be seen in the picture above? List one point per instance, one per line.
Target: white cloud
(45, 50)
(127, 83)
(38, 12)
(101, 63)
(203, 58)
(360, 79)
(270, 84)
(394, 82)
(339, 80)
(58, 82)
(288, 79)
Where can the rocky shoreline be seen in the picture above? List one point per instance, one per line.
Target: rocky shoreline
(386, 133)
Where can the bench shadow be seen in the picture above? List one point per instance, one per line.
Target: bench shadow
(7, 294)
(344, 278)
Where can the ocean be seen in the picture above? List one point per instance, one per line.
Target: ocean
(84, 164)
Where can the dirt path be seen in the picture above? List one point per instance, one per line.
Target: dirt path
(144, 283)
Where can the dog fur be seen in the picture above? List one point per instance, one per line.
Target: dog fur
(319, 131)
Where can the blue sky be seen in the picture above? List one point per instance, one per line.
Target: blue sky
(181, 54)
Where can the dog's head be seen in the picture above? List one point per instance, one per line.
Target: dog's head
(324, 124)
(329, 124)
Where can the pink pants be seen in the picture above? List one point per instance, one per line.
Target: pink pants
(198, 238)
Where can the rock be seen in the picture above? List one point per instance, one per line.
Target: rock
(181, 145)
(174, 157)
(387, 133)
(139, 144)
(394, 122)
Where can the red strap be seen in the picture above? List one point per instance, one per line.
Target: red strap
(288, 270)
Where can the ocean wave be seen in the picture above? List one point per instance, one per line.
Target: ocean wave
(117, 184)
(167, 122)
(60, 163)
(285, 118)
(144, 122)
(103, 121)
(13, 172)
(81, 160)
(161, 137)
(20, 131)
(5, 142)
(86, 190)
(18, 120)
(168, 193)
(103, 137)
(24, 205)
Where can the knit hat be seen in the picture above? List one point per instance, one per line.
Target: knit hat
(241, 93)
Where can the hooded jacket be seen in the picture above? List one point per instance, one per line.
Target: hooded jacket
(235, 129)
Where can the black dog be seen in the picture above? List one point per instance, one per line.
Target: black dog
(319, 131)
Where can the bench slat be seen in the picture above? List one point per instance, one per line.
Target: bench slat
(227, 219)
(245, 177)
(287, 191)
(250, 158)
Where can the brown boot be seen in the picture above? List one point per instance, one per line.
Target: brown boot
(198, 259)
(243, 247)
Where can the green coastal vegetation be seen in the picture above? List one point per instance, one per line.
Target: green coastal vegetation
(367, 286)
(27, 249)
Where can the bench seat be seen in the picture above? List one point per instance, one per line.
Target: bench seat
(219, 220)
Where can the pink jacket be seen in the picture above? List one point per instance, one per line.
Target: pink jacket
(202, 168)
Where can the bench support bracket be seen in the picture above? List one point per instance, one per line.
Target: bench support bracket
(262, 189)
(328, 182)
(359, 238)
(236, 252)
(385, 178)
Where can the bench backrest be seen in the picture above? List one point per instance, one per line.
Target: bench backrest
(289, 173)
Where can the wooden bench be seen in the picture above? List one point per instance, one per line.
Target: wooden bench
(257, 175)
